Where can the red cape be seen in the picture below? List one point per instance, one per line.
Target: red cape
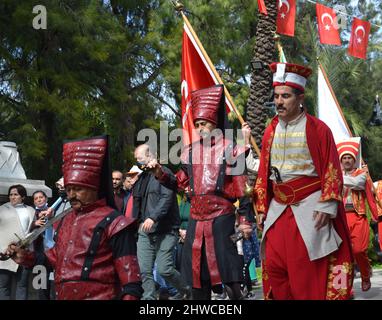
(325, 158)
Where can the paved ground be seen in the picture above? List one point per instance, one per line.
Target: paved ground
(375, 293)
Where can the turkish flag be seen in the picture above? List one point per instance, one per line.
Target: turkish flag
(359, 38)
(196, 74)
(262, 7)
(327, 25)
(286, 16)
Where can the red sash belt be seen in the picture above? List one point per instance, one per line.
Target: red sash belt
(295, 190)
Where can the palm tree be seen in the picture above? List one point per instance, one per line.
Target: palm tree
(261, 78)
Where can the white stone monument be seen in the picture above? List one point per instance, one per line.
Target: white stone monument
(12, 172)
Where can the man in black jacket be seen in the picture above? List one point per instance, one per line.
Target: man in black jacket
(157, 210)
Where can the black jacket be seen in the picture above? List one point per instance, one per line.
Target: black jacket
(155, 201)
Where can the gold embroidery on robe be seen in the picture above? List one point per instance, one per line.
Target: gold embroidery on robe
(290, 145)
(290, 134)
(291, 156)
(294, 167)
(340, 293)
(332, 184)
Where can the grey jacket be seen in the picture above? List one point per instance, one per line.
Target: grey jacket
(155, 201)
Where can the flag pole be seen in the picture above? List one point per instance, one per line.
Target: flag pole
(179, 7)
(347, 126)
(282, 57)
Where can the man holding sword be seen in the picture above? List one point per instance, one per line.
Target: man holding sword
(94, 256)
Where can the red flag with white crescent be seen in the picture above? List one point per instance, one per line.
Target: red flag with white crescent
(196, 74)
(359, 38)
(328, 29)
(286, 16)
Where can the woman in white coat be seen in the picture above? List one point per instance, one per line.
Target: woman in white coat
(15, 215)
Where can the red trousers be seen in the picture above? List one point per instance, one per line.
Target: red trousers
(359, 235)
(288, 270)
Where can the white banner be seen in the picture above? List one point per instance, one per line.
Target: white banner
(328, 110)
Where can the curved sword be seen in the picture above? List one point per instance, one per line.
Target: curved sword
(35, 233)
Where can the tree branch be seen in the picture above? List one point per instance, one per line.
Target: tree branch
(166, 103)
(148, 80)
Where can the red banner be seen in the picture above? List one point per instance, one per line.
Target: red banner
(196, 74)
(327, 25)
(359, 38)
(286, 16)
(262, 7)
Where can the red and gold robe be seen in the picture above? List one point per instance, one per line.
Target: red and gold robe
(325, 158)
(359, 197)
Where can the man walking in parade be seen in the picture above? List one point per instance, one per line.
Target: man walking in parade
(210, 257)
(305, 246)
(95, 252)
(357, 191)
(157, 211)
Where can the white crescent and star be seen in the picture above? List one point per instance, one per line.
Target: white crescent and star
(360, 28)
(327, 27)
(281, 3)
(286, 4)
(359, 39)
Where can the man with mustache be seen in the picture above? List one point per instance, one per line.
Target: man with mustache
(94, 257)
(214, 177)
(357, 191)
(305, 247)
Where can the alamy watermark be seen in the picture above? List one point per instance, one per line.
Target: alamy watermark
(40, 21)
(215, 148)
(40, 280)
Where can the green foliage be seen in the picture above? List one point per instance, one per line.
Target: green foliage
(354, 81)
(114, 67)
(89, 73)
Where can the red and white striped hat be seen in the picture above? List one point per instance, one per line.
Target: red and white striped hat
(290, 74)
(349, 147)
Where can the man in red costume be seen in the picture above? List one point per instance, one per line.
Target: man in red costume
(306, 248)
(378, 190)
(95, 252)
(210, 256)
(357, 191)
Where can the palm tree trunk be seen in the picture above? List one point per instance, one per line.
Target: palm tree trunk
(261, 80)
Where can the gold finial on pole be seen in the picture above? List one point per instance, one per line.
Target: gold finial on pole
(178, 5)
(276, 37)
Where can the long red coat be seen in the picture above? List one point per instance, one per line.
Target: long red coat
(325, 158)
(212, 211)
(94, 256)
